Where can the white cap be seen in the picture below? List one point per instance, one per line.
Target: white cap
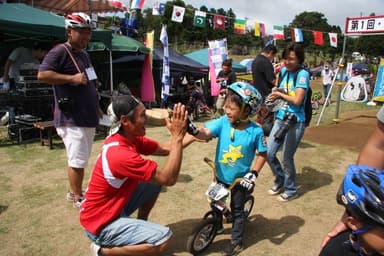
(121, 105)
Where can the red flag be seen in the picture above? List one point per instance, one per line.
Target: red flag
(262, 30)
(219, 22)
(318, 37)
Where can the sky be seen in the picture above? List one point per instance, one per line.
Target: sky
(282, 12)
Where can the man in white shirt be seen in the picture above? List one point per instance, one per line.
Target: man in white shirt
(327, 76)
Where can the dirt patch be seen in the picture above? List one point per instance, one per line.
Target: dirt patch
(352, 132)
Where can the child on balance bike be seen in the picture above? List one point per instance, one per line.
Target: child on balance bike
(239, 141)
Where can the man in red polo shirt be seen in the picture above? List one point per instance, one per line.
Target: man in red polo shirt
(123, 181)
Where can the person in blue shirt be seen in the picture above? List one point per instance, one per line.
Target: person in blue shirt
(239, 141)
(289, 125)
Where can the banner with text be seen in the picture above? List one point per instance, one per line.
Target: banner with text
(217, 52)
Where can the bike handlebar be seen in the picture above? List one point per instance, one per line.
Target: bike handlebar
(210, 163)
(213, 166)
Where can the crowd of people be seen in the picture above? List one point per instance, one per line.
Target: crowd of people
(123, 180)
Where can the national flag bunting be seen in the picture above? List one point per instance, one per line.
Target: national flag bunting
(158, 9)
(297, 35)
(318, 37)
(333, 39)
(137, 4)
(165, 78)
(239, 26)
(199, 20)
(262, 29)
(219, 22)
(178, 14)
(278, 32)
(259, 29)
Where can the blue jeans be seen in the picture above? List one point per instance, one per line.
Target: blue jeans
(238, 195)
(131, 231)
(285, 173)
(326, 88)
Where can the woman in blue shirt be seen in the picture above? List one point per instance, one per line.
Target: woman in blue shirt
(289, 125)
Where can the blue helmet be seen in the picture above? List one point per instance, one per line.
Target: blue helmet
(249, 95)
(362, 193)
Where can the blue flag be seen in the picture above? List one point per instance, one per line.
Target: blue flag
(165, 79)
(297, 35)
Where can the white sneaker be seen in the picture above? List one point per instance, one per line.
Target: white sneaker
(71, 196)
(77, 204)
(275, 190)
(285, 197)
(94, 249)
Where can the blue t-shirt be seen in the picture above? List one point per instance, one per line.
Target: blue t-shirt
(234, 156)
(85, 109)
(302, 81)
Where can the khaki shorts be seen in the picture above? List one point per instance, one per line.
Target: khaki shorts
(220, 102)
(78, 143)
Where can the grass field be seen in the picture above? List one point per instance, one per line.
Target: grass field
(35, 218)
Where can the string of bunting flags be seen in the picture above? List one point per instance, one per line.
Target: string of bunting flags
(239, 25)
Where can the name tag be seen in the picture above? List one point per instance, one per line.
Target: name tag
(91, 74)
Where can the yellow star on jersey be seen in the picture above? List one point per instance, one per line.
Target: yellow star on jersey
(232, 155)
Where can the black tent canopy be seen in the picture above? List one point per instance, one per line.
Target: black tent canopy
(177, 62)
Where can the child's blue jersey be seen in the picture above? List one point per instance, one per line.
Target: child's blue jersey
(234, 156)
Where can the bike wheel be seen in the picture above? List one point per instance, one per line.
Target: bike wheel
(202, 236)
(248, 205)
(209, 214)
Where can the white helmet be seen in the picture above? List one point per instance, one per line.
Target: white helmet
(77, 20)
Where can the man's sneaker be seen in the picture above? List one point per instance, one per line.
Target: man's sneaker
(285, 198)
(70, 196)
(275, 190)
(77, 204)
(233, 249)
(95, 249)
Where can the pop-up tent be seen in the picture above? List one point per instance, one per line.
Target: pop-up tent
(128, 67)
(19, 21)
(201, 56)
(247, 63)
(177, 61)
(122, 45)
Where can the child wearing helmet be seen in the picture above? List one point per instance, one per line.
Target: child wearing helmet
(239, 141)
(362, 195)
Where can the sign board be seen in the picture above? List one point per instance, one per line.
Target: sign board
(364, 25)
(378, 93)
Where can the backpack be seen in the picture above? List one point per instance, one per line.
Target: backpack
(307, 103)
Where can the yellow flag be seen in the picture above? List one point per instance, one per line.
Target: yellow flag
(257, 29)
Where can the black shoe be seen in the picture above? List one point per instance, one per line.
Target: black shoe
(233, 249)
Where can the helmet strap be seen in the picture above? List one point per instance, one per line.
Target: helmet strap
(354, 241)
(361, 230)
